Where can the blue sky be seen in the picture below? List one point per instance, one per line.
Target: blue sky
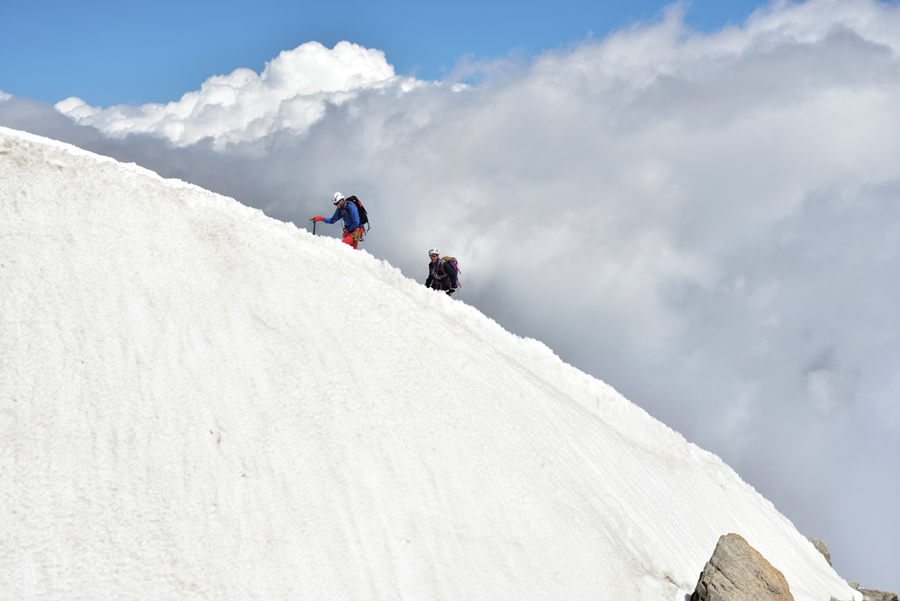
(111, 53)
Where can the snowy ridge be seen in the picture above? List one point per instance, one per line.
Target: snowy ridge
(197, 401)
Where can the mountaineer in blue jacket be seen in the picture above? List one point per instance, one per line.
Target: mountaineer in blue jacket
(348, 213)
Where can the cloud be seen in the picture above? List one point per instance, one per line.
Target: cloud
(708, 222)
(290, 94)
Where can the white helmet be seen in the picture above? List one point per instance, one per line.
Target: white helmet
(338, 197)
(433, 252)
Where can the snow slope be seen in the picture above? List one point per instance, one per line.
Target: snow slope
(199, 402)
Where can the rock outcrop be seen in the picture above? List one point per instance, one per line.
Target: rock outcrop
(873, 595)
(821, 547)
(738, 572)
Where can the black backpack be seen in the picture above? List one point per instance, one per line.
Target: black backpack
(363, 216)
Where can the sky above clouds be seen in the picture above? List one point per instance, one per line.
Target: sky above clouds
(700, 209)
(110, 53)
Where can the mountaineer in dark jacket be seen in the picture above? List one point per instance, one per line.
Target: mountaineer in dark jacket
(346, 212)
(441, 275)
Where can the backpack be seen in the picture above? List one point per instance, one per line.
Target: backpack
(451, 261)
(363, 216)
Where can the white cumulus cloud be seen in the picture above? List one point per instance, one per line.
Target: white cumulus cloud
(290, 94)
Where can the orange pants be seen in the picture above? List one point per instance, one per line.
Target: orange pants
(353, 238)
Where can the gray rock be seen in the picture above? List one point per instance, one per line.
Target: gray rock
(738, 572)
(821, 547)
(873, 595)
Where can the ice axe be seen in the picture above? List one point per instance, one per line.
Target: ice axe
(314, 226)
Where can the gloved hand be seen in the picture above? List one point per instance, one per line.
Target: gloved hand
(346, 233)
(451, 291)
(318, 218)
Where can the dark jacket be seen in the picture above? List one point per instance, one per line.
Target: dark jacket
(441, 275)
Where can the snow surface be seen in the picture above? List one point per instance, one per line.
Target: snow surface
(200, 402)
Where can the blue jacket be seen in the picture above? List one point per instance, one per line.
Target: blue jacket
(349, 214)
